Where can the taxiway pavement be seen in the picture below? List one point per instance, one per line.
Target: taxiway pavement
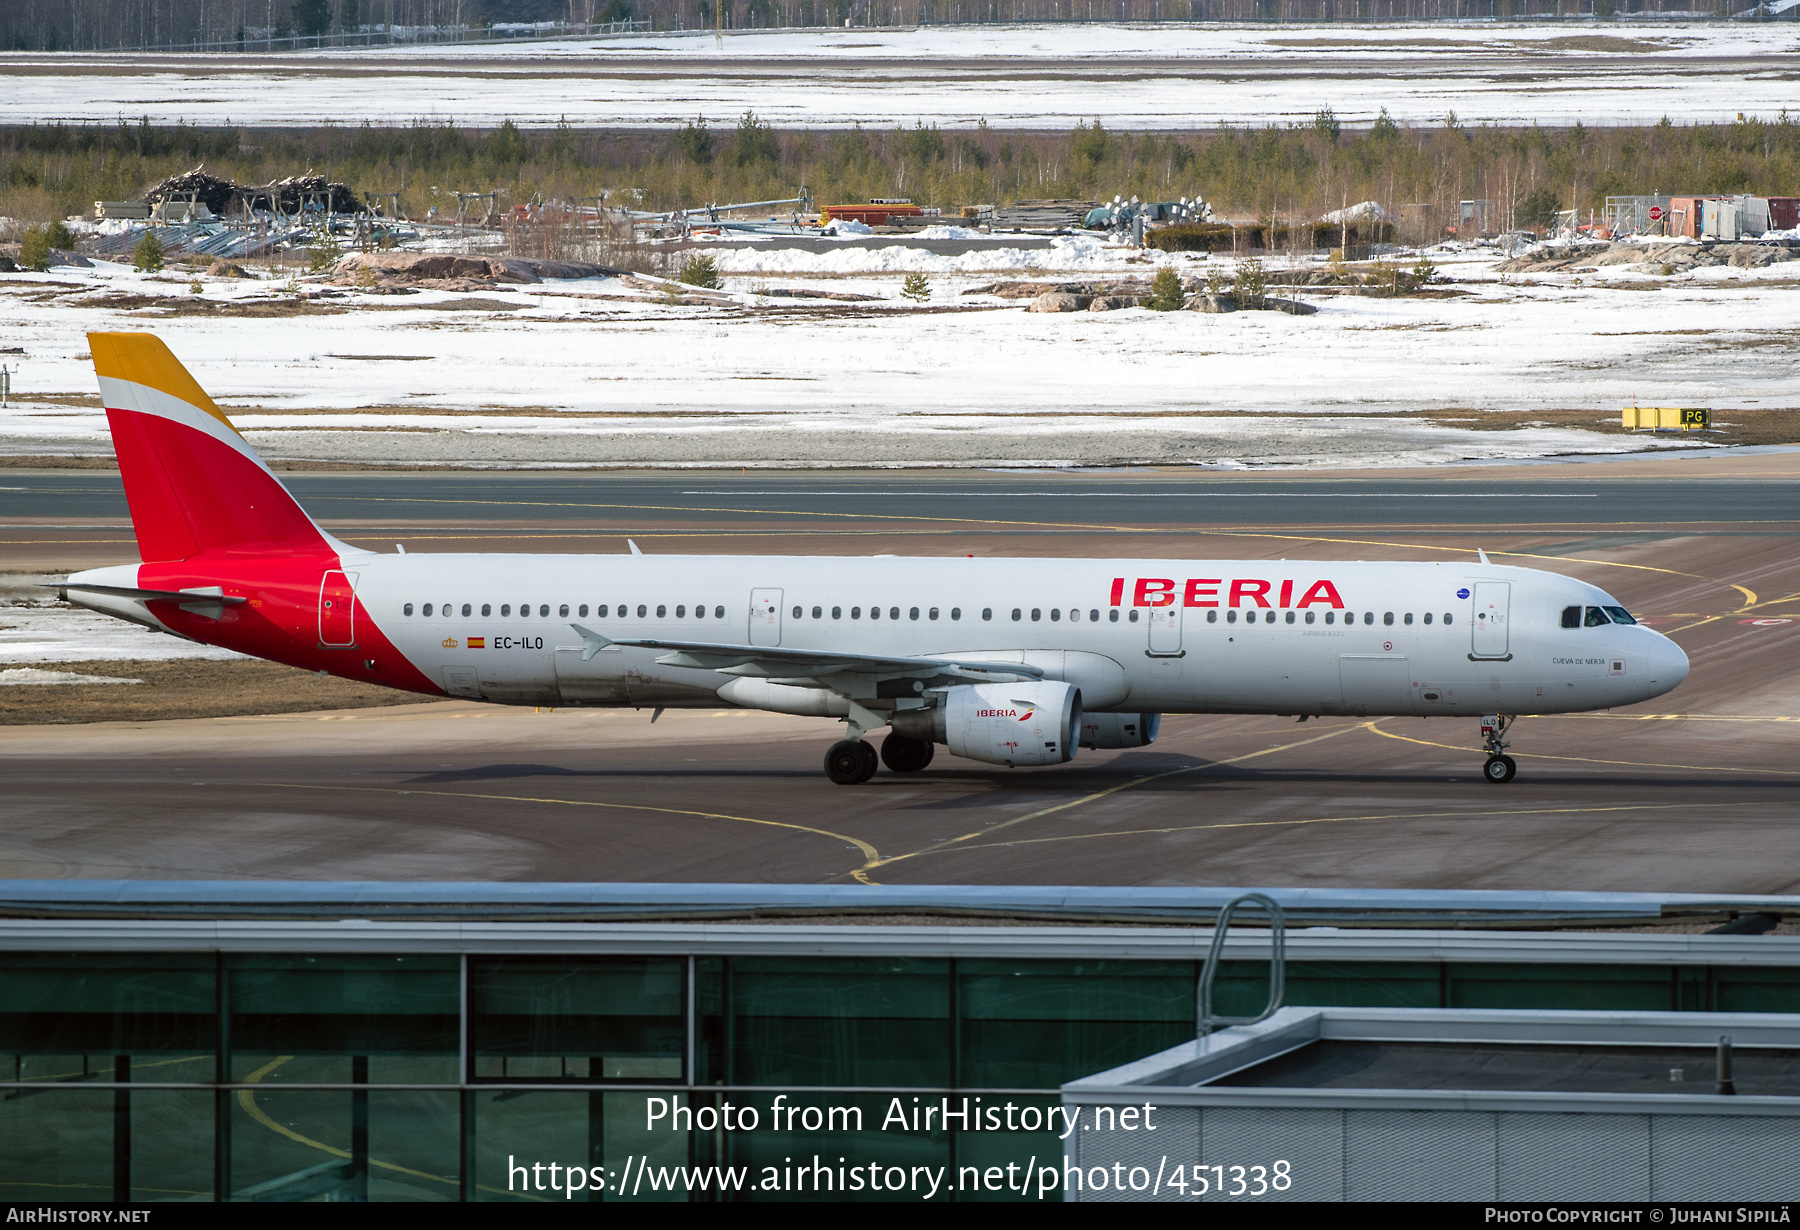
(1694, 792)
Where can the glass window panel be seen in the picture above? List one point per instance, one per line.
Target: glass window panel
(314, 1013)
(294, 1145)
(826, 1021)
(518, 1135)
(1040, 1023)
(598, 1018)
(67, 1015)
(789, 1146)
(171, 1148)
(986, 1149)
(58, 1145)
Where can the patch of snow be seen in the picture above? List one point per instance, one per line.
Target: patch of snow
(31, 675)
(1356, 213)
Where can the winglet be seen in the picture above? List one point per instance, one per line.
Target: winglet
(1481, 555)
(633, 546)
(591, 642)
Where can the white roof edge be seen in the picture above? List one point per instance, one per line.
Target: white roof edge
(676, 938)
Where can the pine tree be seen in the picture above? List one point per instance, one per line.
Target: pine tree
(1165, 291)
(148, 255)
(916, 288)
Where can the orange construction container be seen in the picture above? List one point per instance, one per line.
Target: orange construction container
(1684, 214)
(875, 213)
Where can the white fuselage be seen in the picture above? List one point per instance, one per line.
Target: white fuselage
(1177, 636)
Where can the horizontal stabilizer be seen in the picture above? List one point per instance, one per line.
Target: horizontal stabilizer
(208, 593)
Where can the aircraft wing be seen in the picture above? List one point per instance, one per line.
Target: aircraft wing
(772, 662)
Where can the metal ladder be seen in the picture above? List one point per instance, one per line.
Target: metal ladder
(1206, 1020)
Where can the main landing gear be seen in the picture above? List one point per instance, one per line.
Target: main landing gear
(852, 762)
(1500, 767)
(904, 754)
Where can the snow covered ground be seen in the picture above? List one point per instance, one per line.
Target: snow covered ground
(1145, 76)
(35, 628)
(592, 372)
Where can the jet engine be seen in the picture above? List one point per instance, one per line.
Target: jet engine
(1110, 731)
(1015, 724)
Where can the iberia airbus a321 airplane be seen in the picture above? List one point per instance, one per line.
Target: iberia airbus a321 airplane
(1005, 661)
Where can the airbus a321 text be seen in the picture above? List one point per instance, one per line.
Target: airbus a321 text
(1005, 661)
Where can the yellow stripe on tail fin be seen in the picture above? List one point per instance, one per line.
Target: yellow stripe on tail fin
(142, 358)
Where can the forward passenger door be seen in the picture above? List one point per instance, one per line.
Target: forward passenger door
(1488, 628)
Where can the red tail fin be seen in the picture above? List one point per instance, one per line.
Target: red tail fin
(193, 483)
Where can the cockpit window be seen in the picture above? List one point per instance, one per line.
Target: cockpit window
(1571, 617)
(1620, 615)
(1596, 618)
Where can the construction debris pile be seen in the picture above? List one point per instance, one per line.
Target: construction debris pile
(1674, 257)
(293, 195)
(379, 270)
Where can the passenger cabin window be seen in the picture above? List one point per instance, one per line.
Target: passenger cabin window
(1330, 616)
(718, 612)
(1290, 617)
(913, 613)
(1134, 615)
(1409, 619)
(874, 612)
(1427, 616)
(1620, 615)
(642, 610)
(1055, 615)
(1113, 615)
(1094, 615)
(1017, 615)
(426, 609)
(1447, 618)
(955, 612)
(855, 612)
(407, 609)
(932, 614)
(797, 611)
(1309, 616)
(563, 611)
(837, 612)
(987, 612)
(1388, 619)
(544, 611)
(1596, 618)
(1036, 614)
(894, 612)
(1212, 617)
(818, 613)
(506, 608)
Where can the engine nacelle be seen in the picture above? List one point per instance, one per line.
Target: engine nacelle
(1016, 724)
(1110, 731)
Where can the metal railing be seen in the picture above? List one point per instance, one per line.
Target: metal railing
(1205, 1019)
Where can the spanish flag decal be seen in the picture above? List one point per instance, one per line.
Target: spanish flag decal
(478, 642)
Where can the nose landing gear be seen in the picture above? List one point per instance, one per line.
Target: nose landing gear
(1500, 767)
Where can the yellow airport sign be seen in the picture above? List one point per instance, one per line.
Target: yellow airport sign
(1666, 418)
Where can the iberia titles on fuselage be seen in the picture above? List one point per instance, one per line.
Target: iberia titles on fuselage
(1007, 661)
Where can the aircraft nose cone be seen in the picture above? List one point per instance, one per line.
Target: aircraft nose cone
(1668, 664)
